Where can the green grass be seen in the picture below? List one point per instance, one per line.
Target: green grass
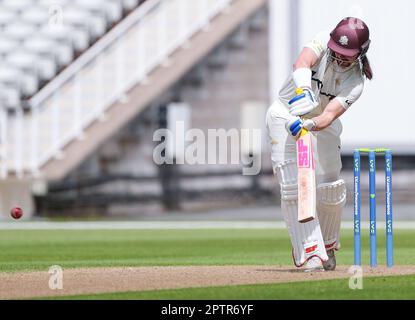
(29, 250)
(39, 249)
(398, 287)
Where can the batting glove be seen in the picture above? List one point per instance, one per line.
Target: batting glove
(303, 103)
(295, 124)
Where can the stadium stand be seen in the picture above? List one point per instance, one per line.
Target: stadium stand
(39, 38)
(73, 78)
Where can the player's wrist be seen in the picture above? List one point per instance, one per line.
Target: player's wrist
(302, 78)
(309, 124)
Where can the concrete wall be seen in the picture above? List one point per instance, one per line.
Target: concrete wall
(16, 193)
(243, 78)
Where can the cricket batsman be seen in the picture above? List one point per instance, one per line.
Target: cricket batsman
(331, 71)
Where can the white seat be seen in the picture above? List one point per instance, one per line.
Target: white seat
(17, 5)
(80, 18)
(114, 10)
(98, 16)
(32, 49)
(7, 17)
(27, 83)
(28, 64)
(75, 17)
(9, 97)
(7, 45)
(9, 76)
(67, 35)
(98, 26)
(129, 4)
(36, 15)
(94, 6)
(78, 21)
(62, 50)
(40, 46)
(44, 62)
(45, 50)
(23, 60)
(19, 31)
(53, 2)
(111, 10)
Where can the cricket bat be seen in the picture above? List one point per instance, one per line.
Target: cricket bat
(306, 177)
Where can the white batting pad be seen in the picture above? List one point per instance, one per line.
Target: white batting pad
(331, 198)
(306, 238)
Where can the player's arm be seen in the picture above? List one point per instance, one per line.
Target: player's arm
(306, 59)
(302, 78)
(332, 111)
(336, 107)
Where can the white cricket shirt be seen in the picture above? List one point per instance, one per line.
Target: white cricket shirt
(329, 81)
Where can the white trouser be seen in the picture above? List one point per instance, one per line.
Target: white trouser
(328, 165)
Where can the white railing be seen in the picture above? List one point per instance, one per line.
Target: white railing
(3, 141)
(81, 94)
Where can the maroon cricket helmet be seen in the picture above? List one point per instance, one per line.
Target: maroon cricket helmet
(350, 37)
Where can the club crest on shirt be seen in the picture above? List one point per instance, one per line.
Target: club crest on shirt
(344, 40)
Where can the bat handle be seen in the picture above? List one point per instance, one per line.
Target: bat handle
(299, 91)
(304, 131)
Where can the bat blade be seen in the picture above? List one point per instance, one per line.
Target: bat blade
(306, 178)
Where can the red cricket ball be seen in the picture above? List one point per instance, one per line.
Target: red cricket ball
(16, 212)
